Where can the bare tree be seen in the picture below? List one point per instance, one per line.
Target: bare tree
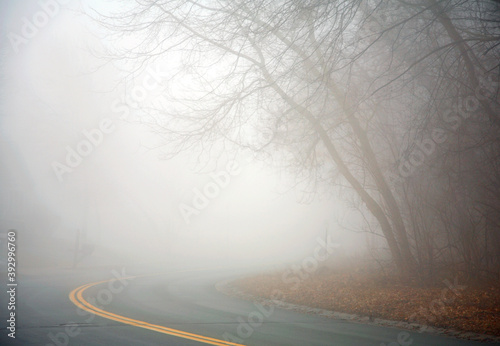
(320, 84)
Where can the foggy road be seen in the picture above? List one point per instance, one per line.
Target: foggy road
(150, 150)
(181, 307)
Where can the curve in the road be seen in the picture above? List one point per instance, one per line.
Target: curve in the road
(76, 297)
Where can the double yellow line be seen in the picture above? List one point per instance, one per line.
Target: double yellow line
(76, 296)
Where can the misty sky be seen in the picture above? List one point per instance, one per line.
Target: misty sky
(57, 88)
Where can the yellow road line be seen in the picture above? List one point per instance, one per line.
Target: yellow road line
(76, 296)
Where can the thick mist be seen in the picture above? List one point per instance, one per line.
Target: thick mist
(81, 169)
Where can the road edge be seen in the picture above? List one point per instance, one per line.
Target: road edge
(227, 288)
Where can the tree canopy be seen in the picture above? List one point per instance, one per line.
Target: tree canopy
(395, 100)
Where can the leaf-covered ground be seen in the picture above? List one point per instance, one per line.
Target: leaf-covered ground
(451, 304)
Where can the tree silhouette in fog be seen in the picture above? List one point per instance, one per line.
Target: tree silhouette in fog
(370, 96)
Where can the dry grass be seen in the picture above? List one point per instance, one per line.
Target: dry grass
(453, 306)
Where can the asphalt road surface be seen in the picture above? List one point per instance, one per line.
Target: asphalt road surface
(107, 306)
